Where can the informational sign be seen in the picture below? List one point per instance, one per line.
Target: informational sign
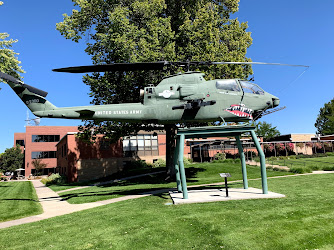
(225, 175)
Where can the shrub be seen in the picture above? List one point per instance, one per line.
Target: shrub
(328, 168)
(218, 161)
(330, 153)
(53, 179)
(138, 165)
(280, 169)
(237, 161)
(186, 161)
(314, 167)
(229, 161)
(256, 159)
(159, 163)
(219, 156)
(300, 170)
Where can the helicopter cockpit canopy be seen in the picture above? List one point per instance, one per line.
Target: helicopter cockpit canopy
(251, 88)
(230, 85)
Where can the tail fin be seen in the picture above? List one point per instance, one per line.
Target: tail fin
(32, 97)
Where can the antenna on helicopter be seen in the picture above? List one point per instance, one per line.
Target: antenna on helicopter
(28, 121)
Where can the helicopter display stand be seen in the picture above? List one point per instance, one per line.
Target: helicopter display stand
(221, 131)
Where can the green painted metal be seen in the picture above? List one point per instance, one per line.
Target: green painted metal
(243, 162)
(181, 165)
(176, 164)
(179, 98)
(263, 163)
(210, 131)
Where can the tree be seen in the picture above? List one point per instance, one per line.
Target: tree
(153, 30)
(8, 61)
(12, 159)
(266, 130)
(38, 165)
(325, 119)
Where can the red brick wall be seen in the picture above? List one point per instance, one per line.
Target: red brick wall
(43, 146)
(78, 150)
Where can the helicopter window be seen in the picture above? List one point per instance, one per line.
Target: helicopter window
(251, 88)
(230, 85)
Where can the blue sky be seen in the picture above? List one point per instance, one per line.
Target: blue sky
(293, 32)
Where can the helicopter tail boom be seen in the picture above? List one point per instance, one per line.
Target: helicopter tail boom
(32, 97)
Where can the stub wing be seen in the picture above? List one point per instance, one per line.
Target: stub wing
(85, 112)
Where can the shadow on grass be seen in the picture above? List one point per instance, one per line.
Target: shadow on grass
(149, 179)
(19, 200)
(160, 178)
(117, 193)
(230, 185)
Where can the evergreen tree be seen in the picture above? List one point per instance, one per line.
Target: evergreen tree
(325, 119)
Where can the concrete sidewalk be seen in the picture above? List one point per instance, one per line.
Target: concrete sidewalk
(53, 205)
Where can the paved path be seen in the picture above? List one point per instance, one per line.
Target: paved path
(53, 205)
(254, 163)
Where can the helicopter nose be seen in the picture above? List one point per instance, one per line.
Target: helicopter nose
(275, 101)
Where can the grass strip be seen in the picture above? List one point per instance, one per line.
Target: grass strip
(18, 200)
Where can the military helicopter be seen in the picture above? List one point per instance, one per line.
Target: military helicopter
(183, 97)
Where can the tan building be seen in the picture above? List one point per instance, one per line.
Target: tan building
(298, 143)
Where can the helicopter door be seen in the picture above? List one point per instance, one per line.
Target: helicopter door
(229, 92)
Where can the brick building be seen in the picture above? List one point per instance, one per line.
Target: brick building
(64, 153)
(39, 142)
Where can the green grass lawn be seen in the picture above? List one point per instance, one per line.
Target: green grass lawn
(308, 164)
(302, 220)
(18, 200)
(132, 172)
(203, 173)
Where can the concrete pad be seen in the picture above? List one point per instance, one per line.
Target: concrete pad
(211, 195)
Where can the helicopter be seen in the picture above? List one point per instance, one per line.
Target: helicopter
(184, 97)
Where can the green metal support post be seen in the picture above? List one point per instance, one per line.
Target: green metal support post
(176, 164)
(263, 163)
(243, 162)
(181, 166)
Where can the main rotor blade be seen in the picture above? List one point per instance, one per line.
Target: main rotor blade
(152, 66)
(262, 63)
(115, 67)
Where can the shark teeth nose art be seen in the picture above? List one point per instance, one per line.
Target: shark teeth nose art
(240, 110)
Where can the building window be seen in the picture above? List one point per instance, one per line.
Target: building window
(104, 145)
(19, 142)
(43, 154)
(140, 143)
(45, 138)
